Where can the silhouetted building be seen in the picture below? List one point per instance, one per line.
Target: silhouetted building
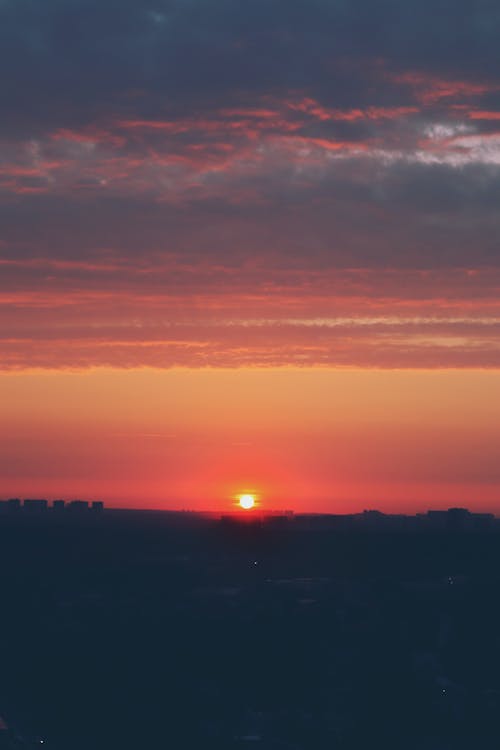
(35, 505)
(438, 519)
(58, 505)
(276, 522)
(78, 505)
(14, 504)
(483, 520)
(98, 505)
(325, 522)
(373, 518)
(459, 519)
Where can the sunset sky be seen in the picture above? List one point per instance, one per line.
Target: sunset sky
(251, 247)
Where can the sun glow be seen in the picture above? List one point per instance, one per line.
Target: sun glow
(247, 502)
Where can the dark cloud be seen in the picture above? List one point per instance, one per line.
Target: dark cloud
(158, 159)
(355, 213)
(82, 60)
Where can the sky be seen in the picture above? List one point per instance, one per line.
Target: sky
(250, 246)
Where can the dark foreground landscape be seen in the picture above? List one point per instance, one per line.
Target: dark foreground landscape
(150, 630)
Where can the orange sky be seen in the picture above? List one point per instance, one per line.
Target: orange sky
(313, 439)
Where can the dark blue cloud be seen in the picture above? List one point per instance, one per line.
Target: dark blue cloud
(76, 61)
(364, 154)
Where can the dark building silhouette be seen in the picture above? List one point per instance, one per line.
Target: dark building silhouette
(35, 505)
(484, 520)
(277, 522)
(78, 506)
(97, 506)
(58, 505)
(458, 519)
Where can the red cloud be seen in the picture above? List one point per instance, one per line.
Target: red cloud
(325, 114)
(89, 314)
(481, 114)
(430, 89)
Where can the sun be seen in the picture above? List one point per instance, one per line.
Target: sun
(247, 502)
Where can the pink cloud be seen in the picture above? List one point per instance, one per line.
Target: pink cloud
(326, 114)
(481, 114)
(430, 89)
(91, 314)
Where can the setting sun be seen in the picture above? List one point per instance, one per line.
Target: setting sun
(246, 501)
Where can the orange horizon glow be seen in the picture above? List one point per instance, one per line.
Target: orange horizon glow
(318, 440)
